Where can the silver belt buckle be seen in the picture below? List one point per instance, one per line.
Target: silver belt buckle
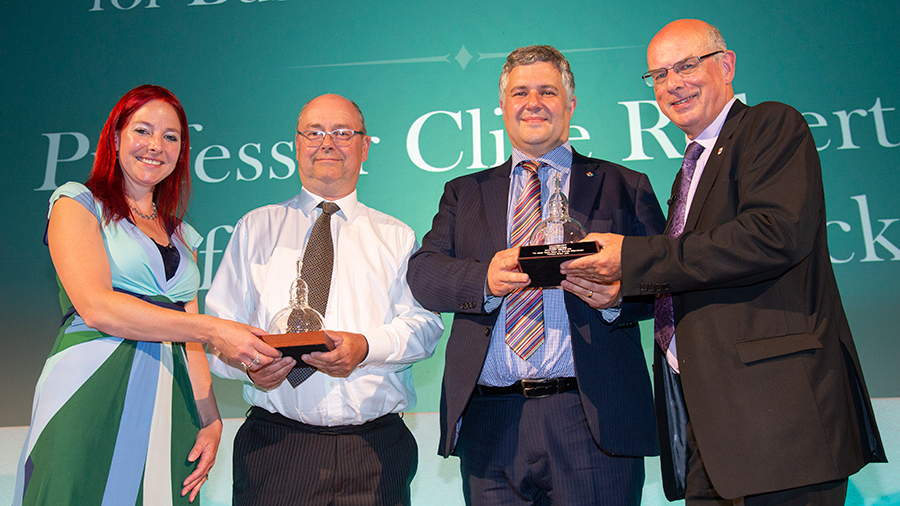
(534, 389)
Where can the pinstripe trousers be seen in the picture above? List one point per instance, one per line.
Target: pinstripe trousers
(279, 461)
(515, 451)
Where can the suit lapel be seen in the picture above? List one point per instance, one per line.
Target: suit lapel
(584, 189)
(585, 181)
(714, 164)
(495, 196)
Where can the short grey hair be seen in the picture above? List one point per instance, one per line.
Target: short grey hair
(715, 41)
(533, 54)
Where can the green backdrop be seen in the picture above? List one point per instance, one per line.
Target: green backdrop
(425, 75)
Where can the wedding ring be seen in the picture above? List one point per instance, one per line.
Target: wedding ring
(256, 360)
(590, 294)
(244, 366)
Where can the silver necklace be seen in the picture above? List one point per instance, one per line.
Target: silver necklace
(142, 215)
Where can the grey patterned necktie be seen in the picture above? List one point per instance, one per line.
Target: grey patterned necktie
(318, 259)
(318, 262)
(664, 313)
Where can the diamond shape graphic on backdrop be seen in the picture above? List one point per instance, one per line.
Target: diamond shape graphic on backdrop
(463, 57)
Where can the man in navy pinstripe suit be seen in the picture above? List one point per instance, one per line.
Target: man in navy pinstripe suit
(570, 423)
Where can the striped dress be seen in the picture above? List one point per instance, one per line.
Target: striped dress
(113, 420)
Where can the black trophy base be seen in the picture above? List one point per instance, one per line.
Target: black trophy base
(298, 344)
(542, 262)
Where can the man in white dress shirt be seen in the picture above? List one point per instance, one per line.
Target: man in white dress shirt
(336, 438)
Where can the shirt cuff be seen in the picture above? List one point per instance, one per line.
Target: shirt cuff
(610, 314)
(379, 347)
(223, 369)
(491, 302)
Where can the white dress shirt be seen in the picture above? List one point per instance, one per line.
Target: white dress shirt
(369, 295)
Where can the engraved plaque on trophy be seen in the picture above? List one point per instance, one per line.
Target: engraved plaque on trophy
(298, 329)
(554, 241)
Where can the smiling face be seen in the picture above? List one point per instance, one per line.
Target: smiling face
(692, 102)
(330, 171)
(148, 147)
(536, 111)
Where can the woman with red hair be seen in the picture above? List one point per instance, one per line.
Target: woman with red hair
(124, 411)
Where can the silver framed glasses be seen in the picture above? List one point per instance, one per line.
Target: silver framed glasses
(685, 67)
(340, 137)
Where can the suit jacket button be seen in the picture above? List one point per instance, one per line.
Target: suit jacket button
(488, 331)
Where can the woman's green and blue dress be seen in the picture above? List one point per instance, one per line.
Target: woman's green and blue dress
(114, 419)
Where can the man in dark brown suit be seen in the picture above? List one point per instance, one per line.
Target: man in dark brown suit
(777, 408)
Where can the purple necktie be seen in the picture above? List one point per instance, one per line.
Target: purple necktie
(664, 322)
(525, 306)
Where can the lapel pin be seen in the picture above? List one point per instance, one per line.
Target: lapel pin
(590, 174)
(719, 152)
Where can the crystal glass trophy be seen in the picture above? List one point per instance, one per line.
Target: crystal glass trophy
(554, 241)
(298, 329)
(298, 316)
(558, 228)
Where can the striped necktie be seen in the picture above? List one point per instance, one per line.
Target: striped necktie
(525, 306)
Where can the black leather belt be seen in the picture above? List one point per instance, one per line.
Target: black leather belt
(532, 388)
(277, 418)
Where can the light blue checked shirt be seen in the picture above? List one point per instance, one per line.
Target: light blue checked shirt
(554, 358)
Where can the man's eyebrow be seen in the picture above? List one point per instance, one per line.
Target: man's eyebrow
(319, 126)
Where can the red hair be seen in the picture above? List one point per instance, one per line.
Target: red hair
(172, 195)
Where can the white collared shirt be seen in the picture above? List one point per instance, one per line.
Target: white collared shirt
(369, 295)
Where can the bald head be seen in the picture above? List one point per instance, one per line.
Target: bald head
(693, 30)
(692, 100)
(330, 170)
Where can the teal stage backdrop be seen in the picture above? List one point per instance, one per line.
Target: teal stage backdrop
(425, 75)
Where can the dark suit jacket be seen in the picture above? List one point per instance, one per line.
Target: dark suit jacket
(448, 274)
(769, 371)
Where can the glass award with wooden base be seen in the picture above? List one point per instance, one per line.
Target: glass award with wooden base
(298, 329)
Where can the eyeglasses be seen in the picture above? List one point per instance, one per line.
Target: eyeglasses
(341, 137)
(685, 67)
